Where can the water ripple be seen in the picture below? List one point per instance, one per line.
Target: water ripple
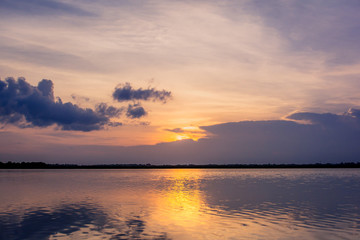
(180, 204)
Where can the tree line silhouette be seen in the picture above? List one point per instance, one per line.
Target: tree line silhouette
(42, 165)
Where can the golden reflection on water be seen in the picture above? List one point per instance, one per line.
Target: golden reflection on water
(183, 209)
(179, 205)
(183, 197)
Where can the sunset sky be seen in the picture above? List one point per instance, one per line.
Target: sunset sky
(134, 73)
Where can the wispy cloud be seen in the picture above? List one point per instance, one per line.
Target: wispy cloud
(327, 26)
(41, 7)
(36, 54)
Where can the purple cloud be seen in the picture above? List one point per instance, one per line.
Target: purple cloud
(25, 105)
(125, 92)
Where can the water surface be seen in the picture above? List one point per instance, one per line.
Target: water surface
(180, 204)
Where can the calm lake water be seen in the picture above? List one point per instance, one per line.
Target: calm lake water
(180, 204)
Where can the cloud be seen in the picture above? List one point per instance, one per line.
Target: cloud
(246, 142)
(316, 118)
(25, 105)
(80, 98)
(114, 124)
(41, 7)
(191, 132)
(349, 119)
(333, 24)
(135, 111)
(39, 54)
(125, 92)
(185, 130)
(108, 111)
(176, 130)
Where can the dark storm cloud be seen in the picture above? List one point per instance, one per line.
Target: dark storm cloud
(25, 105)
(125, 92)
(135, 111)
(41, 7)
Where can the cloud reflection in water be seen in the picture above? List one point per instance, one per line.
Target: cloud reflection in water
(74, 221)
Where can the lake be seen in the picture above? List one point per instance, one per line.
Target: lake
(180, 204)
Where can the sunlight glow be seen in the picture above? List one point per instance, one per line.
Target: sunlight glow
(189, 132)
(181, 137)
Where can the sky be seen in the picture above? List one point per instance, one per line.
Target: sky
(248, 81)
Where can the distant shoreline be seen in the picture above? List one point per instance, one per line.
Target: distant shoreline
(42, 165)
